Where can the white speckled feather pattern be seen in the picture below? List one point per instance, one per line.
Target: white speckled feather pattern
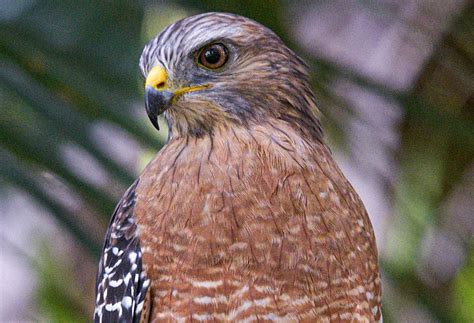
(243, 215)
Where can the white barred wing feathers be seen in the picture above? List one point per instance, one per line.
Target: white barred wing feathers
(121, 282)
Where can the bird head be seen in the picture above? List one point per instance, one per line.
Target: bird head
(223, 70)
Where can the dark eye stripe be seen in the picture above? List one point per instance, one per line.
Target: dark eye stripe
(213, 56)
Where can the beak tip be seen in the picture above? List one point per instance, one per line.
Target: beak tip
(156, 102)
(155, 123)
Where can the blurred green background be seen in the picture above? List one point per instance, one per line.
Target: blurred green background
(395, 83)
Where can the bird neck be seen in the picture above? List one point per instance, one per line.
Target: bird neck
(275, 138)
(295, 112)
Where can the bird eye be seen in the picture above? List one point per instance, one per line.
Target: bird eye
(213, 56)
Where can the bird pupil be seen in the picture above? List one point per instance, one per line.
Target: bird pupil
(212, 55)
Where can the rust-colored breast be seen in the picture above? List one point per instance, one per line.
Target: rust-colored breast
(255, 226)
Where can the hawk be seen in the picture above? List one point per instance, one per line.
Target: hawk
(243, 215)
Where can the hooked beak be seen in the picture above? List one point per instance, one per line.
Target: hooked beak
(156, 102)
(158, 97)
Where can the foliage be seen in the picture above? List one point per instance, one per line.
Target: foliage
(66, 66)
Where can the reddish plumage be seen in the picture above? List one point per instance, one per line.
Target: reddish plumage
(267, 219)
(243, 215)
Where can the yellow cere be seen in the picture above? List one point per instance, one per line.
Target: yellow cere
(156, 78)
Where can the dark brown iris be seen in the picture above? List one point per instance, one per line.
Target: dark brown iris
(213, 56)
